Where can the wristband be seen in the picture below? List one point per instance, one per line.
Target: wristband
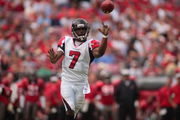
(105, 36)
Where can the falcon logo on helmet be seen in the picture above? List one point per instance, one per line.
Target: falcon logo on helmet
(80, 29)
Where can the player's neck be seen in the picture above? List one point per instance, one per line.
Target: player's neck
(77, 43)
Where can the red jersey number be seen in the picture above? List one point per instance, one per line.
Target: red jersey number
(76, 55)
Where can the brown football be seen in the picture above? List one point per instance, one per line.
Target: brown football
(107, 6)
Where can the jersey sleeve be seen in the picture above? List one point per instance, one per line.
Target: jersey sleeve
(61, 44)
(94, 44)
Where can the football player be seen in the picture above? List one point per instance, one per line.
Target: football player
(78, 52)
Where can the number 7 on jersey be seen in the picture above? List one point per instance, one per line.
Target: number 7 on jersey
(76, 55)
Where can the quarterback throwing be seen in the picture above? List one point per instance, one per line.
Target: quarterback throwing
(78, 52)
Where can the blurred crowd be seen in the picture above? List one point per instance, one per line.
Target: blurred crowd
(144, 38)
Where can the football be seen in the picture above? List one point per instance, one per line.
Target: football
(107, 6)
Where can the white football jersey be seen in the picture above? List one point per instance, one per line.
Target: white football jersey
(77, 59)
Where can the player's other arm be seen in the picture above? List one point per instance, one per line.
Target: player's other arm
(54, 57)
(99, 51)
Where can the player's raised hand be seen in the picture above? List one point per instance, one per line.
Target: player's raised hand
(104, 30)
(51, 54)
(54, 56)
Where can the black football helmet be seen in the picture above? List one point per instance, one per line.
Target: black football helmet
(80, 29)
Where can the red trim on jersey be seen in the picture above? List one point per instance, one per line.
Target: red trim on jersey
(61, 41)
(95, 44)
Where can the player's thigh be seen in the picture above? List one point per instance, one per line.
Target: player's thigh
(80, 98)
(68, 96)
